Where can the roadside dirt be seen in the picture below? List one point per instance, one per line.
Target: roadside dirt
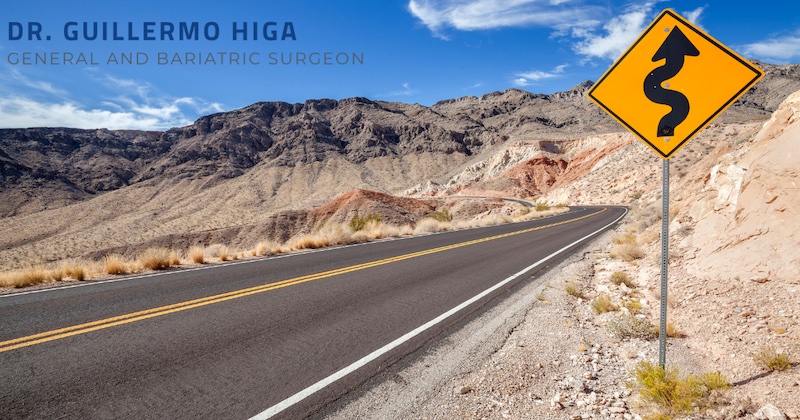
(541, 353)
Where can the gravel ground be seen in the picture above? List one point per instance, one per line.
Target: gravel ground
(539, 353)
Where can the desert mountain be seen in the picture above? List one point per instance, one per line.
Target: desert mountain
(102, 189)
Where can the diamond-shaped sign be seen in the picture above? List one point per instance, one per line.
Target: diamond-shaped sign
(672, 82)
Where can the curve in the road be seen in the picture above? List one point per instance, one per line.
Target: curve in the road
(84, 328)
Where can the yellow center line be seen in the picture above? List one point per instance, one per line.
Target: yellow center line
(196, 303)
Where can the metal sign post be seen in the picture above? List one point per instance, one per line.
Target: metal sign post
(673, 64)
(662, 336)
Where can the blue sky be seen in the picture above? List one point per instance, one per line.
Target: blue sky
(414, 51)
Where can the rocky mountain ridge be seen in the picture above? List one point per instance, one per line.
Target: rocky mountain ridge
(71, 165)
(102, 189)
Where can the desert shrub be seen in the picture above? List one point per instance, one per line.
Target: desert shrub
(223, 253)
(76, 269)
(78, 272)
(621, 277)
(632, 305)
(56, 274)
(426, 225)
(114, 264)
(18, 279)
(627, 239)
(573, 289)
(630, 326)
(768, 358)
(33, 276)
(668, 395)
(155, 259)
(310, 242)
(542, 206)
(197, 255)
(672, 331)
(338, 234)
(38, 274)
(357, 223)
(628, 252)
(602, 304)
(441, 216)
(406, 230)
(174, 258)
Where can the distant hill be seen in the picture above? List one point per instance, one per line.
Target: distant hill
(241, 167)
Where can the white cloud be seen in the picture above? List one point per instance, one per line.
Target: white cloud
(136, 106)
(593, 32)
(469, 15)
(406, 91)
(694, 15)
(617, 35)
(780, 49)
(24, 112)
(38, 85)
(530, 77)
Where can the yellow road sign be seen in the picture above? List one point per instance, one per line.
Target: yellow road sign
(672, 82)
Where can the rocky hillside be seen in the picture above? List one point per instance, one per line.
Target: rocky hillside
(101, 189)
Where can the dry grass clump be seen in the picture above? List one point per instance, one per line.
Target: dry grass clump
(39, 274)
(174, 258)
(155, 259)
(602, 304)
(672, 331)
(629, 253)
(574, 289)
(197, 255)
(115, 264)
(309, 242)
(769, 358)
(332, 234)
(530, 215)
(223, 253)
(627, 248)
(19, 279)
(499, 219)
(426, 225)
(358, 223)
(441, 216)
(267, 248)
(621, 277)
(339, 234)
(77, 270)
(626, 239)
(631, 326)
(406, 230)
(667, 395)
(632, 305)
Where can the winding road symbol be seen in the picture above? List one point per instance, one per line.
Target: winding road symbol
(674, 49)
(672, 82)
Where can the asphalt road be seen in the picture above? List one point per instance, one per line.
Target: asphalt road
(278, 336)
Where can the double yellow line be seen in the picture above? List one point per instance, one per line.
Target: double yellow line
(60, 333)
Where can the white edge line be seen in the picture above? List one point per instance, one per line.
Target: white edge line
(235, 263)
(294, 399)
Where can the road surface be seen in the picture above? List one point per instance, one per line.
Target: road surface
(277, 337)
